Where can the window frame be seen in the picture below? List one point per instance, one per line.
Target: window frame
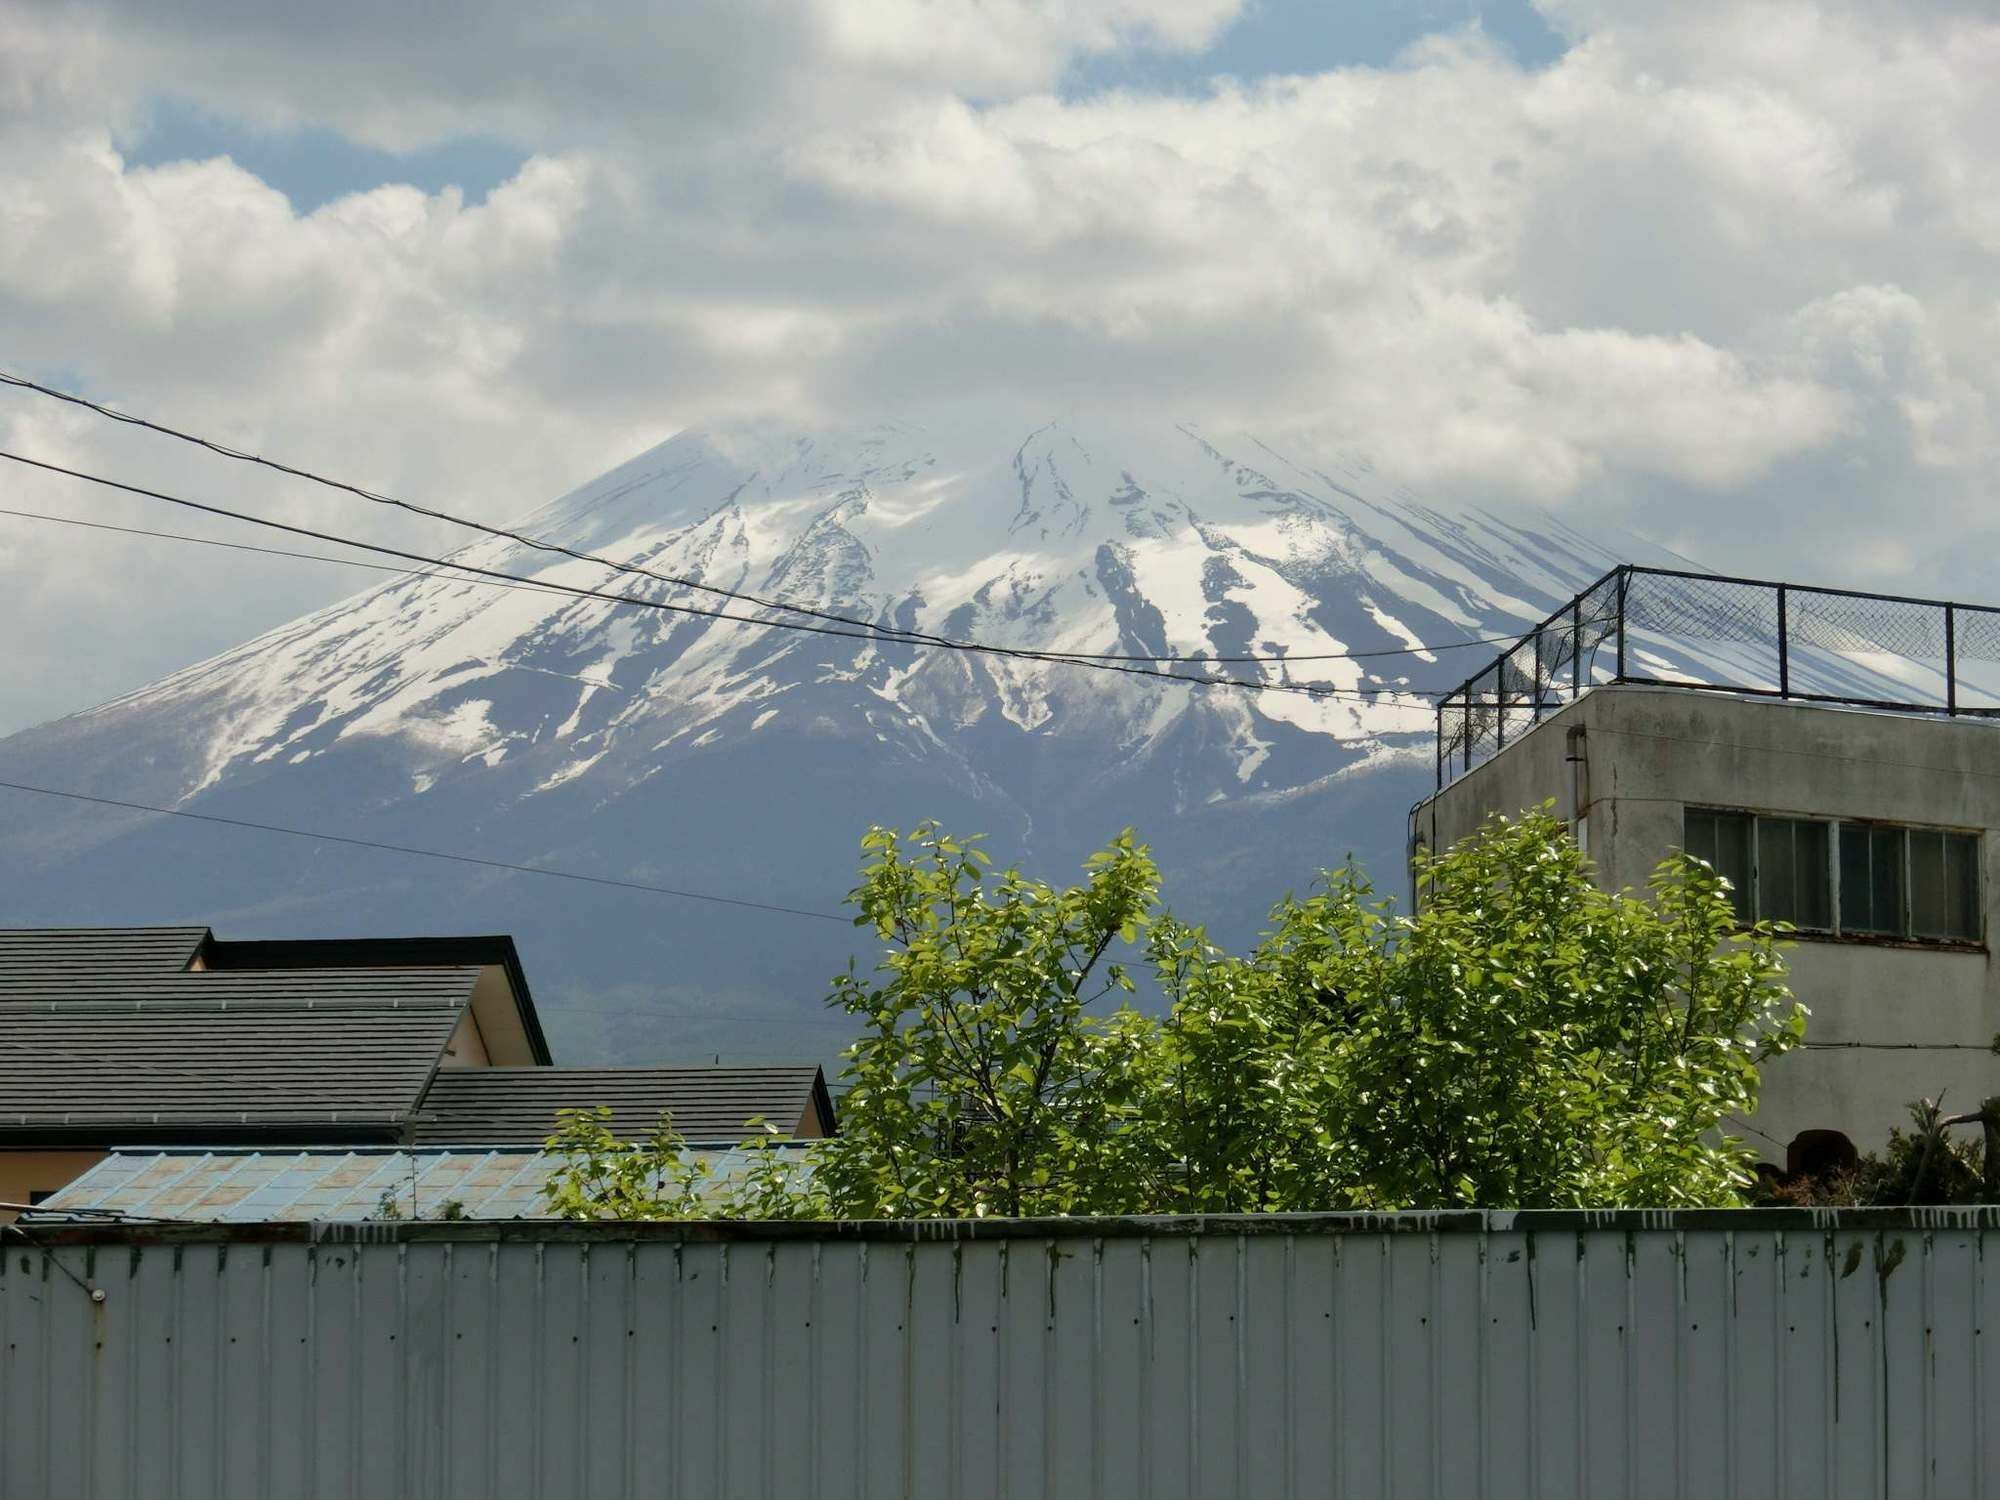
(1750, 895)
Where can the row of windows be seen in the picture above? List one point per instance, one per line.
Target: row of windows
(1831, 876)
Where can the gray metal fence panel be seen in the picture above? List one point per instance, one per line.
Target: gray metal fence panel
(1745, 1354)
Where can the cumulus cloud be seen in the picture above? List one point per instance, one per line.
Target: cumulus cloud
(397, 75)
(1723, 272)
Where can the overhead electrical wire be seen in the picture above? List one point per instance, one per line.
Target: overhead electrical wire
(526, 585)
(209, 541)
(1385, 697)
(1899, 1046)
(463, 859)
(544, 545)
(671, 1013)
(432, 513)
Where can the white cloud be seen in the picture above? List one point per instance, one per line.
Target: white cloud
(1728, 264)
(397, 75)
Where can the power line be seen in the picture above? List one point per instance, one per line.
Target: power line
(1744, 1124)
(534, 586)
(942, 643)
(693, 1016)
(1898, 1046)
(463, 859)
(544, 545)
(209, 541)
(540, 544)
(522, 585)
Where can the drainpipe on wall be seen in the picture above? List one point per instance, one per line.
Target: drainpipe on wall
(1413, 840)
(1420, 838)
(1578, 758)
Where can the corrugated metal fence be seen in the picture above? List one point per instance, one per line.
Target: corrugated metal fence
(1751, 1353)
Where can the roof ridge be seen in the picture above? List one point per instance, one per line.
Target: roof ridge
(271, 1004)
(141, 927)
(563, 1069)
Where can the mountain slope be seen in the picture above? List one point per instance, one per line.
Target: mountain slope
(528, 726)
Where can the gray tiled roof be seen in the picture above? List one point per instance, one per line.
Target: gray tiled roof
(34, 958)
(517, 1106)
(223, 1063)
(107, 1032)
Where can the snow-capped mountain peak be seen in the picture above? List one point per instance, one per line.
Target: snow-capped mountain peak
(1145, 543)
(518, 723)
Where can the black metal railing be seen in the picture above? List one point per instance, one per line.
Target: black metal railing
(1709, 633)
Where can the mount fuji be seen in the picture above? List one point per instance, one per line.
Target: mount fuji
(533, 727)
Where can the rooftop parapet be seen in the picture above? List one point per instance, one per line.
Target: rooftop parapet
(1709, 633)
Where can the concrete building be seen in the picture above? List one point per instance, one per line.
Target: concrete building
(1864, 821)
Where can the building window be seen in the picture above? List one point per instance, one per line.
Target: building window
(1871, 879)
(1723, 840)
(1861, 879)
(1944, 885)
(1794, 881)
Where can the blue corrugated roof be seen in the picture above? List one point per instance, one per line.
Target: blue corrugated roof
(256, 1187)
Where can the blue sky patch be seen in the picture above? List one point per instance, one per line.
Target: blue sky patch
(1315, 36)
(313, 165)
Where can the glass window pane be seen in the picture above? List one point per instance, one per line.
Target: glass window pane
(1793, 878)
(1856, 914)
(1774, 871)
(1812, 873)
(1927, 911)
(1723, 840)
(1961, 886)
(1698, 836)
(1944, 885)
(1885, 878)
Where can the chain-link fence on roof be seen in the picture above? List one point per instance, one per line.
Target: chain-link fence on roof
(1734, 635)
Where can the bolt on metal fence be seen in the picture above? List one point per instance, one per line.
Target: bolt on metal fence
(1709, 633)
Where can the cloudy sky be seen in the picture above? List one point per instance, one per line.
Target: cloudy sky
(1725, 272)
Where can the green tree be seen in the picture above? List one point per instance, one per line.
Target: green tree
(1535, 1041)
(599, 1176)
(1248, 1088)
(1525, 1040)
(982, 1083)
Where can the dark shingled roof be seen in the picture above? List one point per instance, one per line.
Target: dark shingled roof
(35, 959)
(166, 1034)
(163, 1064)
(517, 1106)
(391, 952)
(107, 1032)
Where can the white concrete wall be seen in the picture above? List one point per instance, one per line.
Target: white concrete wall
(1925, 1013)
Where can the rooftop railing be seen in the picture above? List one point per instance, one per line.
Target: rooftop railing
(1709, 633)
